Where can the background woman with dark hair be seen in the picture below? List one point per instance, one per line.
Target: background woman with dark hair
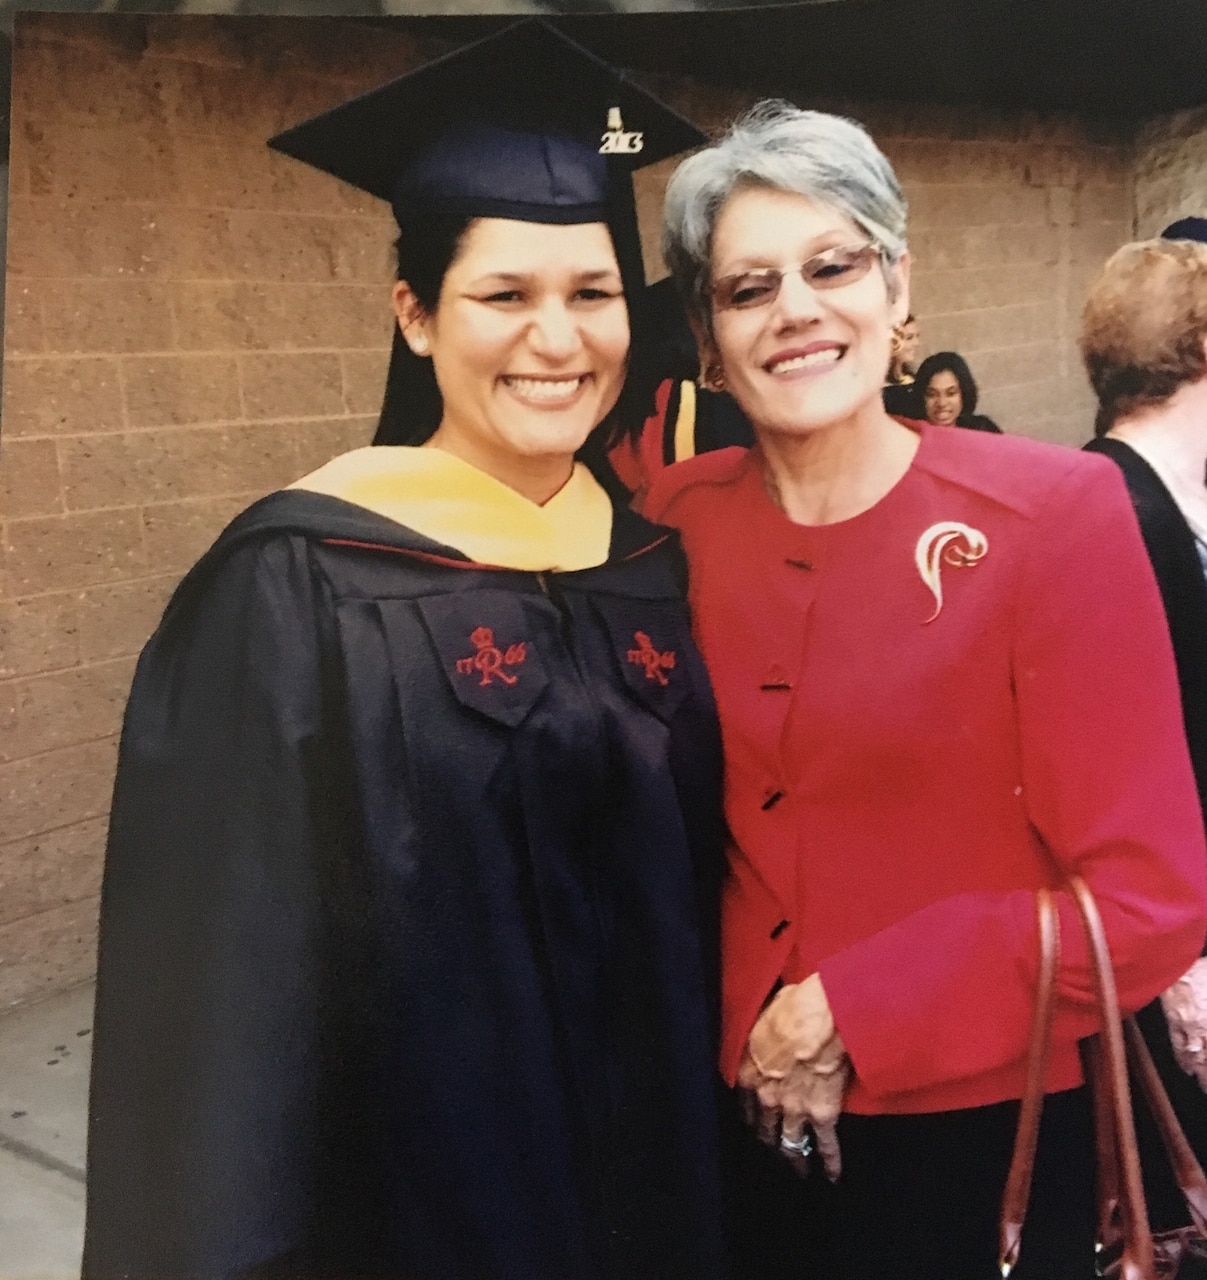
(945, 393)
(409, 893)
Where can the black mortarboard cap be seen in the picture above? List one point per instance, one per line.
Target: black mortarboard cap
(1186, 229)
(524, 124)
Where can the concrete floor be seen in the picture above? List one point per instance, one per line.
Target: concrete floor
(44, 1053)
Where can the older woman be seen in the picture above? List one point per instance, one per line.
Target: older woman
(927, 716)
(1144, 343)
(945, 393)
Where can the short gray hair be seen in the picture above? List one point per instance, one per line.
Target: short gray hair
(827, 158)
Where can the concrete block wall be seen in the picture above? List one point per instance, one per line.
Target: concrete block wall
(1006, 233)
(193, 321)
(1170, 170)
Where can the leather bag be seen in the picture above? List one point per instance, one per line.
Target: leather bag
(1127, 1247)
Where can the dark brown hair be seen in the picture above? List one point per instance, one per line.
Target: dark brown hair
(943, 362)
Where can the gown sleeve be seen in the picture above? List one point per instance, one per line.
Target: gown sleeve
(948, 992)
(212, 981)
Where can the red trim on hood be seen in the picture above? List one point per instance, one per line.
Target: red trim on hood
(430, 558)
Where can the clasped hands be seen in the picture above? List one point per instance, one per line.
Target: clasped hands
(794, 1074)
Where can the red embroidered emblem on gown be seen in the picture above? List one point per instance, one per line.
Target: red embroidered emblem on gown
(490, 659)
(647, 656)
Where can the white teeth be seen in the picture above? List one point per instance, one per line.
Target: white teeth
(829, 355)
(546, 389)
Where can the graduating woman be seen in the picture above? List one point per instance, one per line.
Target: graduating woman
(403, 964)
(928, 716)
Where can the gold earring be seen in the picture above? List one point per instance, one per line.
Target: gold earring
(713, 376)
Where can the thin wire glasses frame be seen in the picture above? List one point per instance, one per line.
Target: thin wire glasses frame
(834, 268)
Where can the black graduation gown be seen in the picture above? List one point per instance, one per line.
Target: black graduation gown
(901, 400)
(719, 424)
(1171, 548)
(411, 879)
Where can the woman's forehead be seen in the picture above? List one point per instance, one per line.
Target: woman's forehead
(510, 246)
(754, 217)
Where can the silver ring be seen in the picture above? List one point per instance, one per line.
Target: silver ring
(803, 1146)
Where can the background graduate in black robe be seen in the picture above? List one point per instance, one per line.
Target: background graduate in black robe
(407, 920)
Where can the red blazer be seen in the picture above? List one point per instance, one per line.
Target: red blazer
(927, 710)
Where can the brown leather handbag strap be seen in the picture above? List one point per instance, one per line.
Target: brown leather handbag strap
(1123, 1214)
(1136, 1262)
(1106, 1152)
(1022, 1162)
(1186, 1169)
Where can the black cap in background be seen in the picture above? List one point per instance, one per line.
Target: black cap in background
(1186, 229)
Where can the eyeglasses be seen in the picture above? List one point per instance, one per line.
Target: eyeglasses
(830, 269)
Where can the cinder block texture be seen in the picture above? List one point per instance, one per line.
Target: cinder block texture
(193, 321)
(1171, 170)
(998, 223)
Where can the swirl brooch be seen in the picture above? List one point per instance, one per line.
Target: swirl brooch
(948, 542)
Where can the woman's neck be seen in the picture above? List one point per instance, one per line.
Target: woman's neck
(837, 472)
(1177, 430)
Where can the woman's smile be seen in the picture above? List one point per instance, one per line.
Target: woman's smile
(811, 360)
(543, 391)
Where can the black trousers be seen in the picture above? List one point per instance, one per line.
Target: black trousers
(919, 1199)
